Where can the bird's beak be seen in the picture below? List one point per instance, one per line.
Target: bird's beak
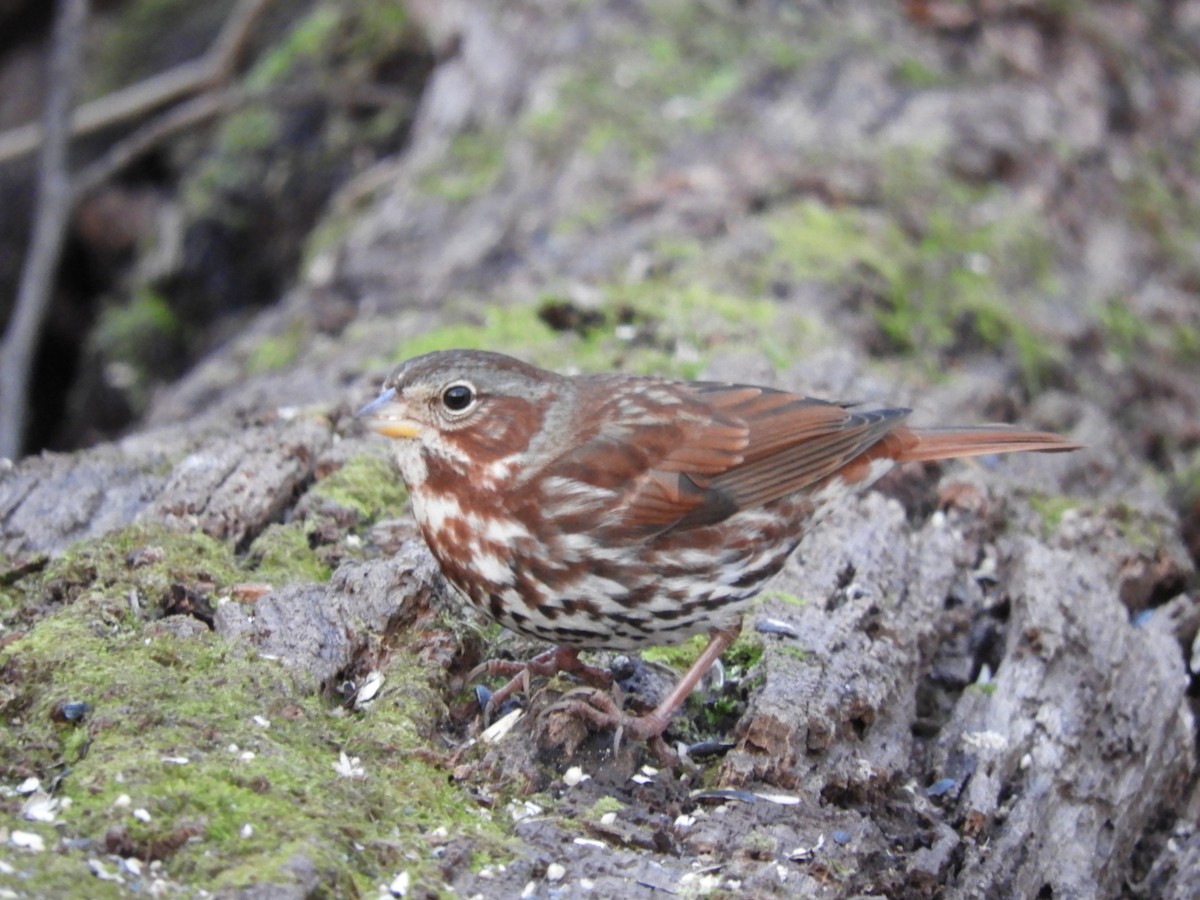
(384, 415)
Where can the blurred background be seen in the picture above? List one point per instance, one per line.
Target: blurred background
(206, 221)
(275, 200)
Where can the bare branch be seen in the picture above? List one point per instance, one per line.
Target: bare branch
(153, 133)
(49, 227)
(215, 68)
(208, 106)
(56, 194)
(226, 51)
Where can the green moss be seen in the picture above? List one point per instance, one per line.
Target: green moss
(698, 318)
(716, 714)
(53, 874)
(742, 655)
(11, 602)
(1051, 509)
(916, 74)
(229, 800)
(1168, 214)
(520, 331)
(783, 597)
(278, 351)
(347, 33)
(470, 168)
(369, 485)
(948, 288)
(696, 304)
(1185, 343)
(1132, 337)
(249, 797)
(381, 27)
(283, 554)
(680, 656)
(304, 44)
(330, 46)
(973, 265)
(144, 559)
(956, 280)
(758, 845)
(1125, 332)
(152, 563)
(797, 653)
(129, 331)
(680, 70)
(138, 341)
(237, 165)
(663, 326)
(249, 131)
(603, 807)
(515, 329)
(1138, 529)
(816, 241)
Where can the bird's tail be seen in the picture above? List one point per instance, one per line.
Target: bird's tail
(923, 444)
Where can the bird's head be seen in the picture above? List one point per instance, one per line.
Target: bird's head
(463, 411)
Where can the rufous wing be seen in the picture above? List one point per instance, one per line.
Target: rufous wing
(720, 448)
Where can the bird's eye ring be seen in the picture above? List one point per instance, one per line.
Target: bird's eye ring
(458, 397)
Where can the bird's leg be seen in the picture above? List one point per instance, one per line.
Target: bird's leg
(600, 709)
(553, 661)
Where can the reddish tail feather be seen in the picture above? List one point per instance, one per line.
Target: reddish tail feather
(948, 443)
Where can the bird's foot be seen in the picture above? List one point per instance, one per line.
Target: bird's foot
(552, 662)
(599, 708)
(601, 711)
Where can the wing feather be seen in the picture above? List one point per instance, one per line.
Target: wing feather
(684, 455)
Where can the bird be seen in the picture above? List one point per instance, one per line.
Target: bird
(619, 511)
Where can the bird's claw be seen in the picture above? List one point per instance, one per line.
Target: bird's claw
(600, 710)
(552, 662)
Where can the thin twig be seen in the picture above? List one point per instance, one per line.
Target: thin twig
(49, 227)
(226, 51)
(215, 103)
(213, 69)
(153, 133)
(56, 193)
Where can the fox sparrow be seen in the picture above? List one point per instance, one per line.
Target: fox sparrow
(618, 511)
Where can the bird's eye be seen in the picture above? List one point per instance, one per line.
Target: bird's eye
(458, 397)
